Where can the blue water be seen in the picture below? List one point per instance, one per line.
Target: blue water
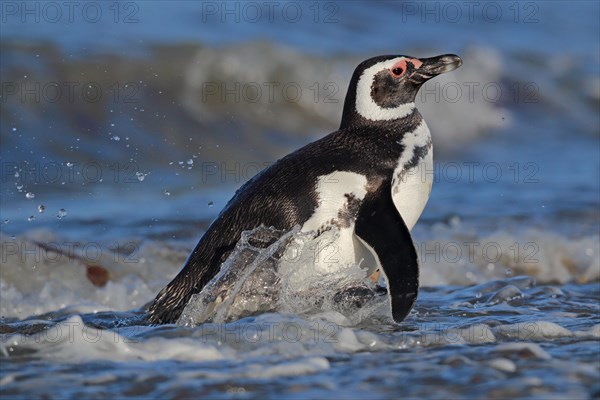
(142, 179)
(323, 28)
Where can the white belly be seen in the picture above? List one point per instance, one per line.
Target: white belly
(333, 193)
(411, 185)
(339, 248)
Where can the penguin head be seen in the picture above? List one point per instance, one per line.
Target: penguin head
(384, 88)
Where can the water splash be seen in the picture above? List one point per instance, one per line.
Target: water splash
(275, 271)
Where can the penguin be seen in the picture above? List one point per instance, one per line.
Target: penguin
(369, 179)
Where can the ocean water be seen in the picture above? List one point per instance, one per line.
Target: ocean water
(125, 127)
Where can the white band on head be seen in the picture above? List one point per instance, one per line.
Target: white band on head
(365, 105)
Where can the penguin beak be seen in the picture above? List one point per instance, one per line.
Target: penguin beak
(435, 66)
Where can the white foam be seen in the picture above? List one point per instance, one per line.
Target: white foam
(524, 350)
(478, 334)
(474, 334)
(533, 330)
(296, 283)
(502, 364)
(74, 341)
(308, 365)
(595, 331)
(32, 287)
(34, 281)
(458, 255)
(347, 342)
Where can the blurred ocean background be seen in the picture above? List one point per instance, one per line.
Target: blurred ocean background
(126, 126)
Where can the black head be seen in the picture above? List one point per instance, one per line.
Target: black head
(384, 88)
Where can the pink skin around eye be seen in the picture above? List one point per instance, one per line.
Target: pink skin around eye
(416, 62)
(403, 64)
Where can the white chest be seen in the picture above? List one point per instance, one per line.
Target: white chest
(335, 194)
(338, 196)
(413, 177)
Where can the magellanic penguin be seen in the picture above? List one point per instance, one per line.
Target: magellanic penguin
(366, 179)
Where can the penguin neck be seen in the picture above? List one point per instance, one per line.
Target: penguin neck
(372, 117)
(391, 130)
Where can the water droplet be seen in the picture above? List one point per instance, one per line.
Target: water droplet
(19, 187)
(61, 213)
(29, 195)
(31, 218)
(190, 162)
(454, 221)
(471, 276)
(14, 129)
(70, 164)
(140, 176)
(6, 221)
(17, 174)
(210, 204)
(115, 138)
(167, 193)
(41, 208)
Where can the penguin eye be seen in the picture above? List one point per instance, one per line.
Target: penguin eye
(397, 71)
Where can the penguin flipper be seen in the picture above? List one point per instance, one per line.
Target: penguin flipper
(380, 225)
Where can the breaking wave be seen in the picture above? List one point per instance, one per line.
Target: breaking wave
(35, 280)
